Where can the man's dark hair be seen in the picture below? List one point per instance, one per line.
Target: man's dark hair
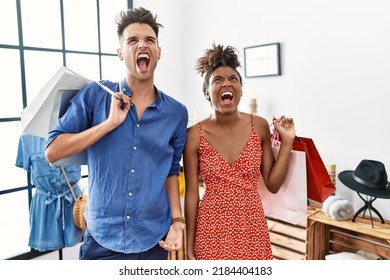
(136, 15)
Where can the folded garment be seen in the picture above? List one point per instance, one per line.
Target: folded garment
(338, 208)
(345, 256)
(341, 210)
(328, 202)
(359, 255)
(368, 255)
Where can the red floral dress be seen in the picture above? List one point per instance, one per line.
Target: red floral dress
(230, 223)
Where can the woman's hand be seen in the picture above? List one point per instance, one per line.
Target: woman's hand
(174, 239)
(285, 128)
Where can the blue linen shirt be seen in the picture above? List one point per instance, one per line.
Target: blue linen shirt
(128, 207)
(51, 221)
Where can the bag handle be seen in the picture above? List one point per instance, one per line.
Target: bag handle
(274, 135)
(69, 185)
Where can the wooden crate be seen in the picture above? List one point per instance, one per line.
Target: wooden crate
(325, 236)
(289, 241)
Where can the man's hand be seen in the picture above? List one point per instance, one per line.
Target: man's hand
(119, 109)
(174, 239)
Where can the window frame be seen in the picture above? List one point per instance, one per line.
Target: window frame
(22, 48)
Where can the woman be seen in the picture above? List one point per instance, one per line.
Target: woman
(230, 151)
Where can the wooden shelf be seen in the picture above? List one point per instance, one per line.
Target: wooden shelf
(361, 225)
(325, 235)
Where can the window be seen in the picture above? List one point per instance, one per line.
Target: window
(36, 39)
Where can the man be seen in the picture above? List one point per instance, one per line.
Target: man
(134, 144)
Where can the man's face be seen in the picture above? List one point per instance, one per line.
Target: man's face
(139, 50)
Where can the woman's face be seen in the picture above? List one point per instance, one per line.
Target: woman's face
(224, 91)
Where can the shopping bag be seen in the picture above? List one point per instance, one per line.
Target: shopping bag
(61, 104)
(37, 116)
(289, 204)
(41, 114)
(319, 183)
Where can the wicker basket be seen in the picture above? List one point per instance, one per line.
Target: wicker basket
(78, 212)
(79, 205)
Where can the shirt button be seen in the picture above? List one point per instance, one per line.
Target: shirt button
(135, 148)
(128, 217)
(137, 125)
(132, 170)
(130, 194)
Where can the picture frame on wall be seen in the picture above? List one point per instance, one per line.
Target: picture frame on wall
(262, 60)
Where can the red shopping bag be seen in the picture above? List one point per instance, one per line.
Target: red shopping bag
(319, 183)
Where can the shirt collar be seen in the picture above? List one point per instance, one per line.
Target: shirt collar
(128, 91)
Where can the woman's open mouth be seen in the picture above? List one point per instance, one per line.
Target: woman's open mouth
(227, 97)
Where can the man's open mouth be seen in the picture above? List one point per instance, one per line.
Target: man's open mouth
(143, 60)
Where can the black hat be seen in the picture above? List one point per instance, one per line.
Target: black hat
(369, 178)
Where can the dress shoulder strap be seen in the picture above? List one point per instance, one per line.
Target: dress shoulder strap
(200, 128)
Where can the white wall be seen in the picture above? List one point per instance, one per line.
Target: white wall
(169, 75)
(335, 68)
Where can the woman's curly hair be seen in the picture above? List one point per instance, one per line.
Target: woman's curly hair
(215, 57)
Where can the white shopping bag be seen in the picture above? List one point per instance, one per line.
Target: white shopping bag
(40, 116)
(37, 117)
(289, 204)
